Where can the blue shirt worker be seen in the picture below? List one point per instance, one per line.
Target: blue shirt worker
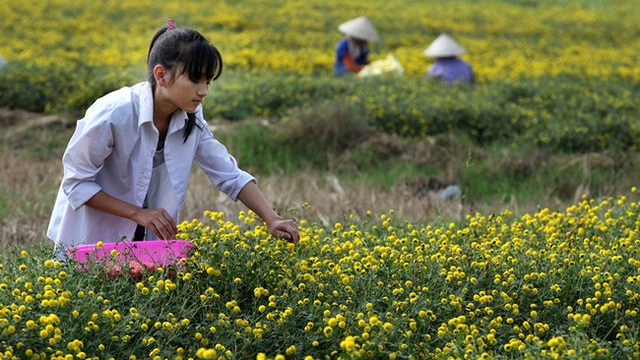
(448, 66)
(352, 52)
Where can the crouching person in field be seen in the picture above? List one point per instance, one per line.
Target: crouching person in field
(127, 165)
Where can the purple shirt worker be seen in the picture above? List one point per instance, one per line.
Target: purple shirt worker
(448, 66)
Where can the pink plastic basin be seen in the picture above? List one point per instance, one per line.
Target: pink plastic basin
(151, 252)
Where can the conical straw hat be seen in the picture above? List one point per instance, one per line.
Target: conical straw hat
(444, 46)
(360, 28)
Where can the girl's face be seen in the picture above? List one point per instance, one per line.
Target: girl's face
(187, 94)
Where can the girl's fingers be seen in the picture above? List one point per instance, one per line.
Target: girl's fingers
(291, 233)
(164, 229)
(159, 232)
(168, 227)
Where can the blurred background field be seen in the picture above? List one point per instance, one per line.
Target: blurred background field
(551, 118)
(505, 39)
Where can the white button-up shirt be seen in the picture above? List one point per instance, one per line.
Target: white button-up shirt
(112, 150)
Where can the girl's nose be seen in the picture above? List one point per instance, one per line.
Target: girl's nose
(203, 89)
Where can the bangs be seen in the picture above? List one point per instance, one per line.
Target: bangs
(202, 59)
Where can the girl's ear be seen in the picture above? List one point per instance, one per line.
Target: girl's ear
(159, 74)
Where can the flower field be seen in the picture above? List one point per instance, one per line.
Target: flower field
(516, 38)
(548, 285)
(558, 75)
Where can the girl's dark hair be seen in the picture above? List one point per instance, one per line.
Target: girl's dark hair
(180, 51)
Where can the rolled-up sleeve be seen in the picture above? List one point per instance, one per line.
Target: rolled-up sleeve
(220, 167)
(84, 157)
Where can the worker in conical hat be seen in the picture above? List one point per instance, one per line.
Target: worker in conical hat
(352, 52)
(448, 66)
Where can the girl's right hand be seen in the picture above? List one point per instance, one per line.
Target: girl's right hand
(157, 220)
(287, 229)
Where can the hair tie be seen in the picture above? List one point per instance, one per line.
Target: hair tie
(172, 24)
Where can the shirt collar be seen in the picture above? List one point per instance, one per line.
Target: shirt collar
(178, 121)
(146, 104)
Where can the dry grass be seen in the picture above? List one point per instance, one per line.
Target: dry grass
(323, 199)
(26, 198)
(30, 188)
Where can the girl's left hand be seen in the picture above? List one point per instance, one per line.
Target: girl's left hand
(287, 229)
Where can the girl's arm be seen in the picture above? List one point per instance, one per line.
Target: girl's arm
(157, 220)
(252, 198)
